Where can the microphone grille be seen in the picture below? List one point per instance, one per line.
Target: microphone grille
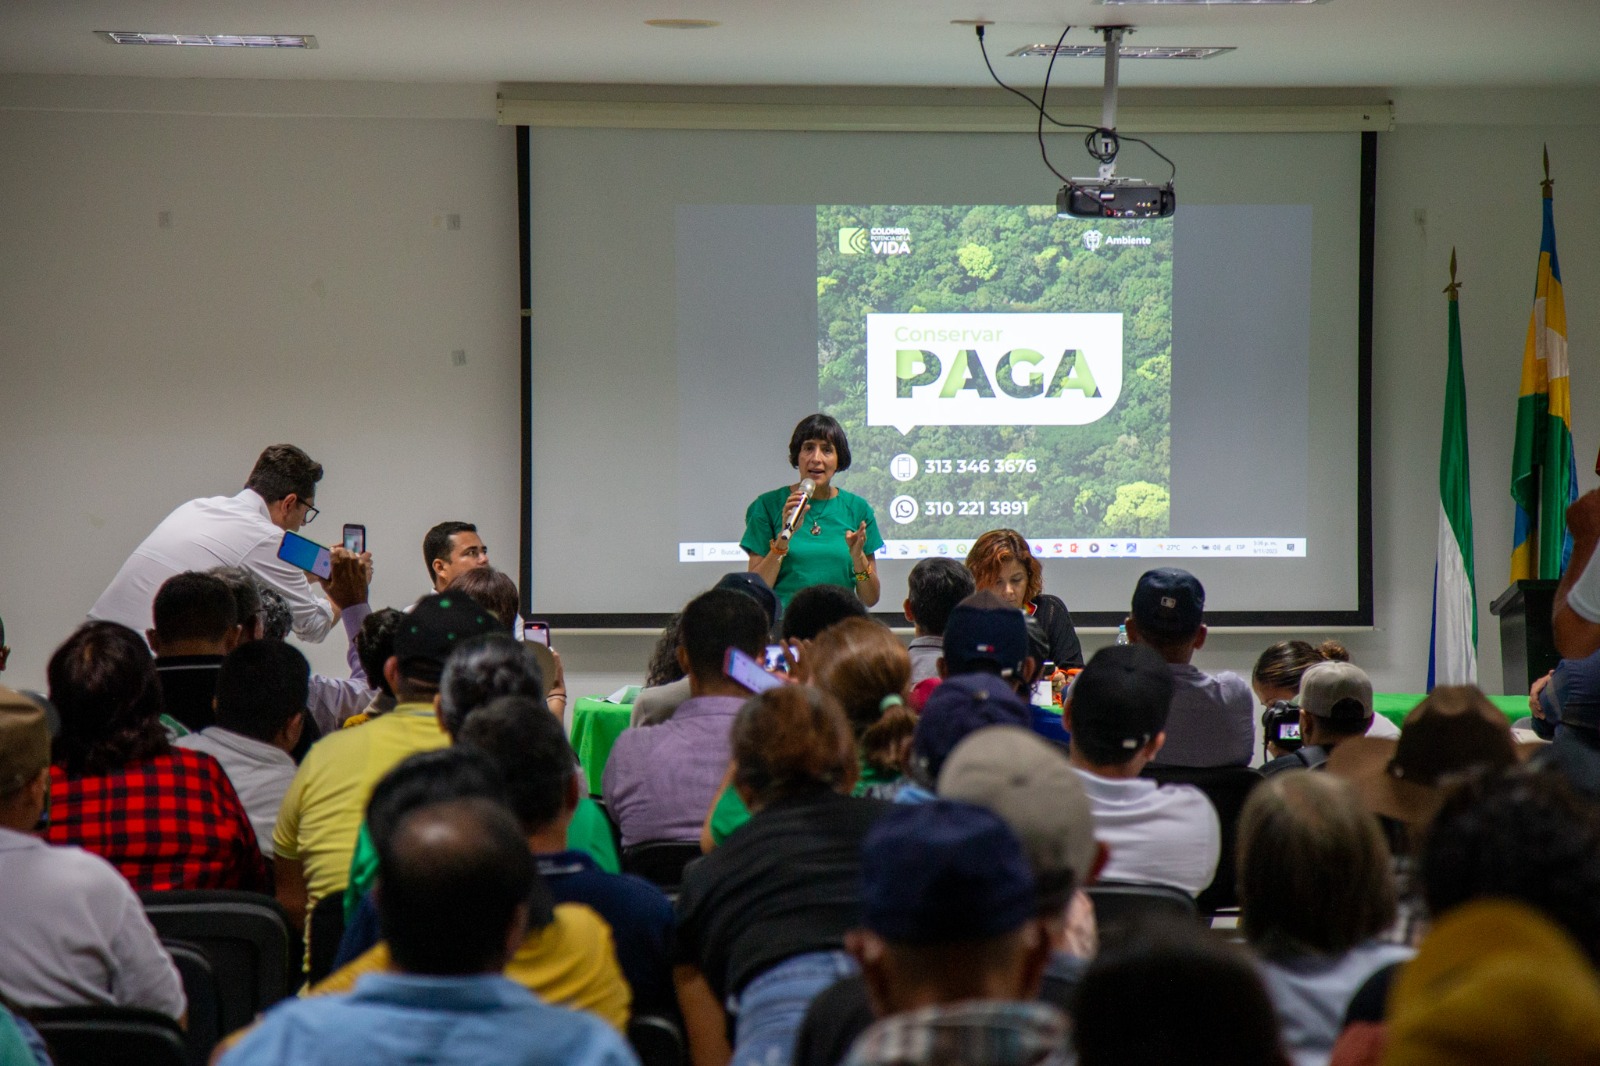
(807, 486)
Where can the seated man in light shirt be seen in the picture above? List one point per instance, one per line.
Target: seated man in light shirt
(260, 713)
(1159, 834)
(240, 530)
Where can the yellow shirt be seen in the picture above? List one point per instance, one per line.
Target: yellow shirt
(323, 809)
(571, 963)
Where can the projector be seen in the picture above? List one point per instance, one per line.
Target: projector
(1115, 198)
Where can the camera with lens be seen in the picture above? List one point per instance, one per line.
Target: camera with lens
(1280, 726)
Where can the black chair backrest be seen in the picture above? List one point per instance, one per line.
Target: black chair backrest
(327, 929)
(96, 1036)
(245, 936)
(1227, 787)
(1119, 906)
(657, 1040)
(660, 861)
(202, 1025)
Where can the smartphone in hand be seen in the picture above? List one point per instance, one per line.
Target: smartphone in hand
(538, 632)
(355, 538)
(749, 673)
(308, 555)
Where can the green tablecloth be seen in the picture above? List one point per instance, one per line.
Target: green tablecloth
(1396, 705)
(596, 725)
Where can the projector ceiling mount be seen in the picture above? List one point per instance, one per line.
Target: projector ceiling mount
(1104, 196)
(1108, 196)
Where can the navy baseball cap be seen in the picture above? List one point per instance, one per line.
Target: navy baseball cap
(962, 705)
(984, 628)
(1169, 602)
(944, 872)
(756, 587)
(436, 626)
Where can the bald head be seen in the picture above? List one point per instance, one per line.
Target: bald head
(454, 881)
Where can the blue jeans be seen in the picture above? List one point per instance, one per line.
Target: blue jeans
(770, 1009)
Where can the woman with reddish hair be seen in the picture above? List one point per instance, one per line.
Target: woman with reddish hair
(1000, 561)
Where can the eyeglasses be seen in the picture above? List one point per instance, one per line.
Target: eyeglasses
(311, 514)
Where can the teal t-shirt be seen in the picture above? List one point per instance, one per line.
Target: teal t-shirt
(818, 554)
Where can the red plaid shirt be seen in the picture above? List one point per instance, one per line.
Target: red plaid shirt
(170, 822)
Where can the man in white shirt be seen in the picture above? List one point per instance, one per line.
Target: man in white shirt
(1117, 714)
(241, 530)
(73, 933)
(260, 713)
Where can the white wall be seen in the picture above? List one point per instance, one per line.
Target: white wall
(304, 292)
(308, 290)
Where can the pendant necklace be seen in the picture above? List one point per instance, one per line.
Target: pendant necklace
(816, 527)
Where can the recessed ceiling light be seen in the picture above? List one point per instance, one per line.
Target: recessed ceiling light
(1127, 51)
(682, 24)
(212, 40)
(1204, 3)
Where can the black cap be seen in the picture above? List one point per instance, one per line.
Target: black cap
(976, 633)
(1120, 702)
(436, 626)
(1169, 603)
(756, 587)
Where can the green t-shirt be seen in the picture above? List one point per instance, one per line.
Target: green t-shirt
(818, 554)
(588, 832)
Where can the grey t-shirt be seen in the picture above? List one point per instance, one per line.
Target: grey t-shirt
(1212, 719)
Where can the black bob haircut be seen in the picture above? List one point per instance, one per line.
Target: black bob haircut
(819, 427)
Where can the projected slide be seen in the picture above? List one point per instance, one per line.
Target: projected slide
(1000, 366)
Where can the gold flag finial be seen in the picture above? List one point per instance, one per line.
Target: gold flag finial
(1547, 184)
(1454, 287)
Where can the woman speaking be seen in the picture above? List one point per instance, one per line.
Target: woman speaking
(831, 539)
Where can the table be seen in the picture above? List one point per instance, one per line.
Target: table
(1396, 705)
(596, 725)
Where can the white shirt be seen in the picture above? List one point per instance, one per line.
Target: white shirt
(1584, 595)
(261, 774)
(1311, 992)
(201, 534)
(74, 933)
(1157, 834)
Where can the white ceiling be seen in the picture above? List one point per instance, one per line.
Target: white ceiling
(1369, 43)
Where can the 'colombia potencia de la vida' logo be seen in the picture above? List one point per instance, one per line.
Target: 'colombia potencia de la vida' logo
(992, 369)
(879, 240)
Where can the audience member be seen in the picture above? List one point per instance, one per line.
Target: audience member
(1335, 705)
(532, 751)
(816, 608)
(494, 590)
(666, 683)
(1210, 722)
(1576, 615)
(1278, 670)
(1117, 714)
(241, 530)
(459, 890)
(762, 918)
(1001, 561)
(1314, 892)
(648, 804)
(260, 712)
(1403, 781)
(374, 644)
(933, 590)
(321, 815)
(985, 634)
(1029, 784)
(1495, 983)
(949, 950)
(196, 624)
(1175, 995)
(74, 933)
(449, 550)
(330, 701)
(864, 666)
(1566, 711)
(959, 707)
(566, 957)
(164, 817)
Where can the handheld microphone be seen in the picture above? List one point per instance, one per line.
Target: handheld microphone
(807, 487)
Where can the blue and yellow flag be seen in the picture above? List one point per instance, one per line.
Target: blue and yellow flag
(1544, 479)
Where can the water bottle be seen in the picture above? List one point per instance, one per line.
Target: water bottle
(1122, 633)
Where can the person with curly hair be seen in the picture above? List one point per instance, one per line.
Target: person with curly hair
(1001, 561)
